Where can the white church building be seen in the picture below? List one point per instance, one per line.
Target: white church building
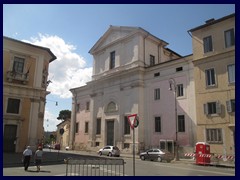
(133, 71)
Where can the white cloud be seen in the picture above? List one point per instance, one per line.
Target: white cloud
(68, 70)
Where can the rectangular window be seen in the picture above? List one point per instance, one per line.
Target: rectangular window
(77, 127)
(181, 123)
(231, 105)
(207, 44)
(152, 60)
(157, 74)
(112, 60)
(157, 124)
(126, 146)
(212, 108)
(86, 127)
(179, 69)
(98, 130)
(210, 77)
(214, 135)
(18, 64)
(229, 38)
(78, 107)
(13, 106)
(157, 94)
(179, 90)
(87, 105)
(162, 144)
(231, 73)
(126, 126)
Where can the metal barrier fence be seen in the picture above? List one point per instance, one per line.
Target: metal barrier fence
(95, 167)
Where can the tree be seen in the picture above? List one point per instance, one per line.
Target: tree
(64, 114)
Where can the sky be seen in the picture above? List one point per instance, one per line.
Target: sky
(71, 30)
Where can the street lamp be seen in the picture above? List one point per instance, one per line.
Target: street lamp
(172, 82)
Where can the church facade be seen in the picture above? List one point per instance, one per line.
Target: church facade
(135, 73)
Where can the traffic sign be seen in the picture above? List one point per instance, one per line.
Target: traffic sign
(132, 120)
(61, 131)
(136, 122)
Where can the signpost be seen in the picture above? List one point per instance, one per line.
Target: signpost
(133, 121)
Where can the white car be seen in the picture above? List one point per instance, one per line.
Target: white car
(109, 151)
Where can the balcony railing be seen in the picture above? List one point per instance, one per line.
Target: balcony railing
(13, 75)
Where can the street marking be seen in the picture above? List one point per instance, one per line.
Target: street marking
(196, 169)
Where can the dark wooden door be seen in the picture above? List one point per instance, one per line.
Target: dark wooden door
(9, 138)
(110, 133)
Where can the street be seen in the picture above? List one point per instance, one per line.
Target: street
(142, 168)
(148, 168)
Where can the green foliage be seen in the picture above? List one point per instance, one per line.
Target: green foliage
(64, 114)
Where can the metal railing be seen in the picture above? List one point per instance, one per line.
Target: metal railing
(94, 167)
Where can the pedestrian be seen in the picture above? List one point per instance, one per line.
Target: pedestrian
(38, 157)
(27, 153)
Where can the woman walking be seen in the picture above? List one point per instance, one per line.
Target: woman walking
(38, 157)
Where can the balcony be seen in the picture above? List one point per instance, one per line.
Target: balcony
(22, 77)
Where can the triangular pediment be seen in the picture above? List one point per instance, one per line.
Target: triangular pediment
(113, 34)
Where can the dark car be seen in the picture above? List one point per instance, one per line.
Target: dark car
(157, 154)
(109, 151)
(57, 146)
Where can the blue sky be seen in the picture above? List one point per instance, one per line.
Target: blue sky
(70, 31)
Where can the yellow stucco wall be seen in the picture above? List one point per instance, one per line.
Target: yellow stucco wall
(219, 59)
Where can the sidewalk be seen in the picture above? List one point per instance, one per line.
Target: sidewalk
(57, 157)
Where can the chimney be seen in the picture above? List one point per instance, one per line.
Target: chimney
(209, 21)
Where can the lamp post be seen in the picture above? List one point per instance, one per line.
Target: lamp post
(172, 82)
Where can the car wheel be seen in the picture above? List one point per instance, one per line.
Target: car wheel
(159, 159)
(100, 153)
(110, 154)
(142, 158)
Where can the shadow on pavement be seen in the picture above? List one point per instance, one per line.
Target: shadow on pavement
(33, 171)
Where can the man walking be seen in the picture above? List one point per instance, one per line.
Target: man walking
(27, 153)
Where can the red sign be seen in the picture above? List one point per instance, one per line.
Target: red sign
(132, 120)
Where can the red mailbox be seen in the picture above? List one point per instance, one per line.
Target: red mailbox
(202, 153)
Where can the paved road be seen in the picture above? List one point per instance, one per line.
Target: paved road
(143, 168)
(53, 165)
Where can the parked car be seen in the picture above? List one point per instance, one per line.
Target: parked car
(109, 151)
(48, 146)
(157, 154)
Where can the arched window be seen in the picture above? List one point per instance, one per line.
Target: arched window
(112, 107)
